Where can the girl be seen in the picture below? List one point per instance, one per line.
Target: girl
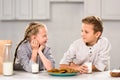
(33, 49)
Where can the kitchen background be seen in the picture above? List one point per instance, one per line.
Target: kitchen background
(63, 20)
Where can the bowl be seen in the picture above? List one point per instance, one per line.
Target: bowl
(115, 73)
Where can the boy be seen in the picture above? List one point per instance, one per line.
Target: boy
(90, 48)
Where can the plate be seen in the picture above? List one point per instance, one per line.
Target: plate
(62, 74)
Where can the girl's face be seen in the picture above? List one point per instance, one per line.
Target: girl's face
(42, 36)
(88, 34)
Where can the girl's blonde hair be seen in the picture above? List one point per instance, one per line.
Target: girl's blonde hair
(32, 29)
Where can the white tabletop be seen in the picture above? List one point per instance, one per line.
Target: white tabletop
(21, 75)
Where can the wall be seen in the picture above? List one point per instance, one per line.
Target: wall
(111, 31)
(63, 28)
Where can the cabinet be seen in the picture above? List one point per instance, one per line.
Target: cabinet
(7, 10)
(92, 7)
(24, 9)
(110, 9)
(106, 9)
(58, 0)
(32, 9)
(75, 0)
(41, 9)
(66, 0)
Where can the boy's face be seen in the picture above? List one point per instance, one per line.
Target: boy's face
(88, 34)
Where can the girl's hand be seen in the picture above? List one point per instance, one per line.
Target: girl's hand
(34, 44)
(41, 47)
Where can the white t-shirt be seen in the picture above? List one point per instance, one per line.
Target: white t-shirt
(80, 53)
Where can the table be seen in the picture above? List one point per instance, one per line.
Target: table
(21, 75)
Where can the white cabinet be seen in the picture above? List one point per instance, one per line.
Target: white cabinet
(41, 9)
(24, 9)
(32, 9)
(66, 0)
(58, 0)
(106, 9)
(110, 9)
(75, 0)
(92, 7)
(7, 11)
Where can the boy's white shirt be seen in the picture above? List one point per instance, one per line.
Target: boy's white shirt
(98, 54)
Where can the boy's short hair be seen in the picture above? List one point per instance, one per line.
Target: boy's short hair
(96, 21)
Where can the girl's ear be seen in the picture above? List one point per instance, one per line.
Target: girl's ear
(33, 37)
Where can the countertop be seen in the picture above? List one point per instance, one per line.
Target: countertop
(21, 75)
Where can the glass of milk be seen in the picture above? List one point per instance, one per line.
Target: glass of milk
(35, 68)
(8, 68)
(89, 65)
(7, 60)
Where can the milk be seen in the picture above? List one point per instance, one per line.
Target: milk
(7, 68)
(35, 68)
(89, 65)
